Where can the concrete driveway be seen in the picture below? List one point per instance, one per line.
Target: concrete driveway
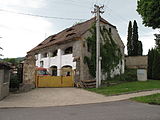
(43, 97)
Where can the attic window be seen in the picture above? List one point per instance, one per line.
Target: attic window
(53, 36)
(52, 40)
(70, 34)
(70, 29)
(40, 44)
(110, 30)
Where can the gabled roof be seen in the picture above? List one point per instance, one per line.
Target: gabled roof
(75, 31)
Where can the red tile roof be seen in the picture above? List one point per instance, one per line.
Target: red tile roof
(75, 31)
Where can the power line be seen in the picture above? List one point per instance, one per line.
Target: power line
(122, 19)
(42, 16)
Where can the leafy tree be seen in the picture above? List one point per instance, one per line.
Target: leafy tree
(157, 41)
(135, 39)
(150, 12)
(129, 39)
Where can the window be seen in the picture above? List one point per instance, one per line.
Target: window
(70, 29)
(54, 53)
(54, 70)
(41, 63)
(110, 30)
(44, 55)
(70, 34)
(68, 50)
(36, 56)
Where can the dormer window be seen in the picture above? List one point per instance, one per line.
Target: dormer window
(70, 29)
(70, 34)
(40, 44)
(68, 50)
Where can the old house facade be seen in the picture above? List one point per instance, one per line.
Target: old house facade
(67, 50)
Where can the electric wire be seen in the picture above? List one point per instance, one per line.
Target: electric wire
(42, 16)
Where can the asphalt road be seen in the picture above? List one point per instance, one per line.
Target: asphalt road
(121, 110)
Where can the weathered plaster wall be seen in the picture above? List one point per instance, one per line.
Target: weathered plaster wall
(4, 87)
(120, 67)
(136, 61)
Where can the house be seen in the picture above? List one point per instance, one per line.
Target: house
(67, 49)
(4, 79)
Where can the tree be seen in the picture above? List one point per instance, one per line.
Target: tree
(157, 40)
(156, 66)
(135, 39)
(129, 39)
(150, 12)
(149, 68)
(150, 63)
(134, 46)
(140, 48)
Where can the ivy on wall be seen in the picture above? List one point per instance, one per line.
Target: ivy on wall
(110, 52)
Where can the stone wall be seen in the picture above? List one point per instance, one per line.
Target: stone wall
(136, 61)
(28, 73)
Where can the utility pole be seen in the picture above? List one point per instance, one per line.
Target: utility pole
(97, 11)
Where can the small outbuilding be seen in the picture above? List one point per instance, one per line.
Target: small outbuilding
(4, 79)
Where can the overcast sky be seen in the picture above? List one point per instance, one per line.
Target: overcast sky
(20, 33)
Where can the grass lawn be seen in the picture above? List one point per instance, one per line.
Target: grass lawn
(151, 99)
(127, 87)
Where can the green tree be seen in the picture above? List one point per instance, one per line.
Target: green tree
(140, 48)
(150, 63)
(135, 39)
(156, 66)
(129, 39)
(150, 12)
(157, 40)
(11, 60)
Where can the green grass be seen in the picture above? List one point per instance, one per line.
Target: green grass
(150, 99)
(127, 87)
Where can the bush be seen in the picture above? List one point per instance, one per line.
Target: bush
(14, 82)
(130, 75)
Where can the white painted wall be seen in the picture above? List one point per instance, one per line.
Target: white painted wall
(117, 70)
(60, 60)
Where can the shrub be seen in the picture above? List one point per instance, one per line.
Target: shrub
(130, 75)
(14, 82)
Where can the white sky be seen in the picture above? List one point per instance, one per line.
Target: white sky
(20, 33)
